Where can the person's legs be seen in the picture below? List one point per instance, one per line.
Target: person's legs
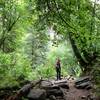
(57, 71)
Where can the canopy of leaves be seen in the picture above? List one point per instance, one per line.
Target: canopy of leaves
(33, 33)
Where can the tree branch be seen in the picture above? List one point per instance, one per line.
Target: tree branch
(63, 18)
(9, 29)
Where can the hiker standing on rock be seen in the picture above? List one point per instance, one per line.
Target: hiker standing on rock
(58, 69)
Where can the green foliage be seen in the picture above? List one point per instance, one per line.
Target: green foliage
(27, 51)
(68, 61)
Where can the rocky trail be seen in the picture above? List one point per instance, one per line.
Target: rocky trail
(65, 89)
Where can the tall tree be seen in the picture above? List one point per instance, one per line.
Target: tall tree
(78, 19)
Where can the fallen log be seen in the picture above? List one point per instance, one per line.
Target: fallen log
(60, 81)
(83, 85)
(82, 80)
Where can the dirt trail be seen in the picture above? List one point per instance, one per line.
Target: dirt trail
(74, 93)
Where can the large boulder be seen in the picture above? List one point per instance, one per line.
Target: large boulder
(37, 94)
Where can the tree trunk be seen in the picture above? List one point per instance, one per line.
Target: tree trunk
(77, 53)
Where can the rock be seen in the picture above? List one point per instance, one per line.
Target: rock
(83, 85)
(47, 99)
(37, 94)
(84, 97)
(60, 98)
(92, 97)
(70, 77)
(52, 97)
(88, 87)
(82, 80)
(64, 85)
(46, 83)
(54, 92)
(25, 89)
(50, 87)
(55, 87)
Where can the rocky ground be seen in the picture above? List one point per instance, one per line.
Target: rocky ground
(65, 89)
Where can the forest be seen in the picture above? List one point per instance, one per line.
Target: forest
(34, 33)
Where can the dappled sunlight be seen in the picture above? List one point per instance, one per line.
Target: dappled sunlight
(51, 32)
(20, 2)
(96, 1)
